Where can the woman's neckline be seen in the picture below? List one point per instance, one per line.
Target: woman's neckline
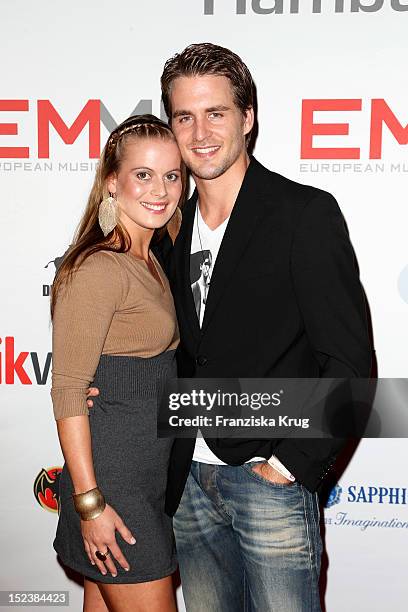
(136, 257)
(155, 264)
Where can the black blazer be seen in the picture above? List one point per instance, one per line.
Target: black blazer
(284, 301)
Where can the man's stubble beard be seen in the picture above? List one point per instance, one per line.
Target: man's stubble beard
(224, 164)
(212, 173)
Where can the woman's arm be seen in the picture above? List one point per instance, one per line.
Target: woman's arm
(98, 533)
(75, 439)
(83, 314)
(82, 318)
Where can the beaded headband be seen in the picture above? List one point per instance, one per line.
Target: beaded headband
(131, 124)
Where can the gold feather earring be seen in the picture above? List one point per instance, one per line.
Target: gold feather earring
(108, 214)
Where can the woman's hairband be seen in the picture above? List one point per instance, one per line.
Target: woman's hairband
(133, 123)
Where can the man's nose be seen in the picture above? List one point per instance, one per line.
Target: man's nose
(202, 129)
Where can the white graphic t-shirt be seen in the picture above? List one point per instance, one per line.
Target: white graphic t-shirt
(205, 244)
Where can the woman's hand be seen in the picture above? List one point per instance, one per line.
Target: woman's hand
(99, 534)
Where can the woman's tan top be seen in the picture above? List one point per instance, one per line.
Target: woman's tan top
(112, 306)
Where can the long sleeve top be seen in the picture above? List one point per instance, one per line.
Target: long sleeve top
(112, 306)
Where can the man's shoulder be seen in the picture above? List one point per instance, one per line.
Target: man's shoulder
(278, 186)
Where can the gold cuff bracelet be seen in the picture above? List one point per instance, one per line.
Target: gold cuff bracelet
(90, 504)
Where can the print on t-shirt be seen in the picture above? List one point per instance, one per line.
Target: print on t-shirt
(200, 274)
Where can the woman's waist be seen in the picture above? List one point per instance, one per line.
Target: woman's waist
(123, 376)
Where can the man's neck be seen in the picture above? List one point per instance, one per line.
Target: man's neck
(217, 196)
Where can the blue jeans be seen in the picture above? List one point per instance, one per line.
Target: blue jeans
(246, 544)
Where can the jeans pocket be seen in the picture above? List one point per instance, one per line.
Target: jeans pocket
(280, 485)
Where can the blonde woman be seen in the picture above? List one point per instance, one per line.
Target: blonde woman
(114, 325)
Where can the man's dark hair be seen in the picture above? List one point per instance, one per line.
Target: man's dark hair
(205, 58)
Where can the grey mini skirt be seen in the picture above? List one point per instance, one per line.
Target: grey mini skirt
(131, 470)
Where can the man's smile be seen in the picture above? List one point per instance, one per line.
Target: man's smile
(207, 151)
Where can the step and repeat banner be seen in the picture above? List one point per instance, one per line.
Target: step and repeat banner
(333, 112)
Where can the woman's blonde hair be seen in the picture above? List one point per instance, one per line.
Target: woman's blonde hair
(89, 237)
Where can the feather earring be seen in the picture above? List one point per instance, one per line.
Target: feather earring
(108, 214)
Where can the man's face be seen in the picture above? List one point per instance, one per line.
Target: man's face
(210, 129)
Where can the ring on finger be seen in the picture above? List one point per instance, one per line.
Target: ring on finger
(102, 556)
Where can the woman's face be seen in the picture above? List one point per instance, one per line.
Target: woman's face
(148, 183)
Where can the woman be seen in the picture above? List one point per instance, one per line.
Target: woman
(114, 324)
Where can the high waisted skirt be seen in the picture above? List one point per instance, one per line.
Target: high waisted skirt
(131, 470)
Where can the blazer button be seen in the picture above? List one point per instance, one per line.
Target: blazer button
(201, 360)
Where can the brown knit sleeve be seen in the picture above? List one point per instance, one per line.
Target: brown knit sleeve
(83, 314)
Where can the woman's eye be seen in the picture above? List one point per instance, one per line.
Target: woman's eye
(143, 176)
(172, 177)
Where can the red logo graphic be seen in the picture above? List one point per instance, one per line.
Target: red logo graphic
(48, 119)
(380, 114)
(46, 116)
(46, 488)
(12, 365)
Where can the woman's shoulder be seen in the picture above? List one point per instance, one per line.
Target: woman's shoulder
(102, 265)
(103, 256)
(102, 260)
(97, 271)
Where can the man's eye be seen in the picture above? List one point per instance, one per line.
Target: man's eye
(143, 176)
(216, 115)
(184, 118)
(172, 177)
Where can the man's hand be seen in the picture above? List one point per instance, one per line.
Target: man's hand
(269, 473)
(92, 392)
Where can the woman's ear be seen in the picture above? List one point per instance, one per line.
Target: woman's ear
(111, 182)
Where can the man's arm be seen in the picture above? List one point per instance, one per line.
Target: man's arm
(331, 301)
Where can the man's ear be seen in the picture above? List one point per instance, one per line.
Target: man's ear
(249, 119)
(111, 182)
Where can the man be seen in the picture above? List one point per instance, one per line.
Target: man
(284, 301)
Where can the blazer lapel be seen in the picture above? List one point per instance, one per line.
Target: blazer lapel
(244, 217)
(182, 250)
